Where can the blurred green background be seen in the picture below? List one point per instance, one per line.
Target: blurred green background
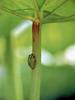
(57, 62)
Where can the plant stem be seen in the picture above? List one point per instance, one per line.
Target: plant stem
(9, 65)
(15, 91)
(36, 49)
(18, 80)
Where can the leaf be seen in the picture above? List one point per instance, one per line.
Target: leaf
(63, 12)
(22, 8)
(19, 12)
(17, 7)
(55, 18)
(52, 10)
(40, 3)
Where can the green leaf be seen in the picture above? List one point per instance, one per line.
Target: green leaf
(52, 11)
(55, 18)
(18, 7)
(63, 11)
(40, 3)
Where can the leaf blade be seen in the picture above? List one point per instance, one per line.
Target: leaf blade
(20, 8)
(54, 18)
(65, 11)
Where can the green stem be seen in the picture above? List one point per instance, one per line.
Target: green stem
(36, 49)
(18, 80)
(36, 8)
(9, 65)
(15, 90)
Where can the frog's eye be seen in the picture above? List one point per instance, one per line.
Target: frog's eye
(32, 61)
